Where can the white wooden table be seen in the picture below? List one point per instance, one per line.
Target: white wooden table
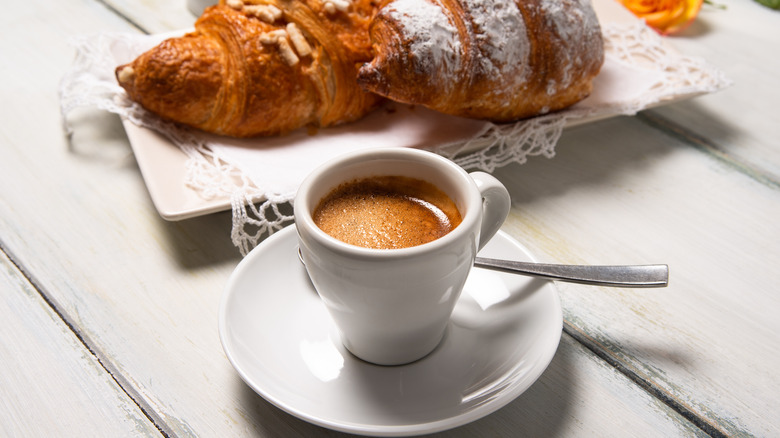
(108, 314)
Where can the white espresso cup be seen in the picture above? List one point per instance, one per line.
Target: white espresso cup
(392, 306)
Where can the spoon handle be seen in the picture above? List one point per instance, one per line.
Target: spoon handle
(617, 276)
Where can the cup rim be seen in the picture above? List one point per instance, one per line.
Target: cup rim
(473, 203)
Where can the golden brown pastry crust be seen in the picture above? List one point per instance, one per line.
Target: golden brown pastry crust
(245, 72)
(500, 60)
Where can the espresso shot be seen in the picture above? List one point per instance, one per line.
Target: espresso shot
(387, 212)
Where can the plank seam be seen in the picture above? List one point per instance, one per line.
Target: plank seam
(121, 383)
(685, 411)
(681, 133)
(121, 15)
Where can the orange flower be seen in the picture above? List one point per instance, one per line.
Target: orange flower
(665, 16)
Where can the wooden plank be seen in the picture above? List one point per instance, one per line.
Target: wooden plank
(740, 123)
(620, 192)
(155, 16)
(51, 384)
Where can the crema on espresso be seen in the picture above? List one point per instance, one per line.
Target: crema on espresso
(387, 212)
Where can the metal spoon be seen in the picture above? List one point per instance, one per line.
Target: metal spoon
(617, 276)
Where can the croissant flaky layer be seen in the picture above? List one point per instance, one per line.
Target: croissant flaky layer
(500, 60)
(259, 67)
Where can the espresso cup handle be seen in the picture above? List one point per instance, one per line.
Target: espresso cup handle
(495, 205)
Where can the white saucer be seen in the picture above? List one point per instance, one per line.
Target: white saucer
(275, 331)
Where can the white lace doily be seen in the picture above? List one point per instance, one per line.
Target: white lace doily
(639, 71)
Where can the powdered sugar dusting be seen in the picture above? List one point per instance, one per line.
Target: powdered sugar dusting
(476, 59)
(570, 20)
(495, 27)
(435, 44)
(501, 35)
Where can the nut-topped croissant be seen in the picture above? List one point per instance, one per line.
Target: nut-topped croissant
(259, 67)
(500, 60)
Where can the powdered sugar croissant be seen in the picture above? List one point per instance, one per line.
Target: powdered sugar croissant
(499, 60)
(259, 67)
